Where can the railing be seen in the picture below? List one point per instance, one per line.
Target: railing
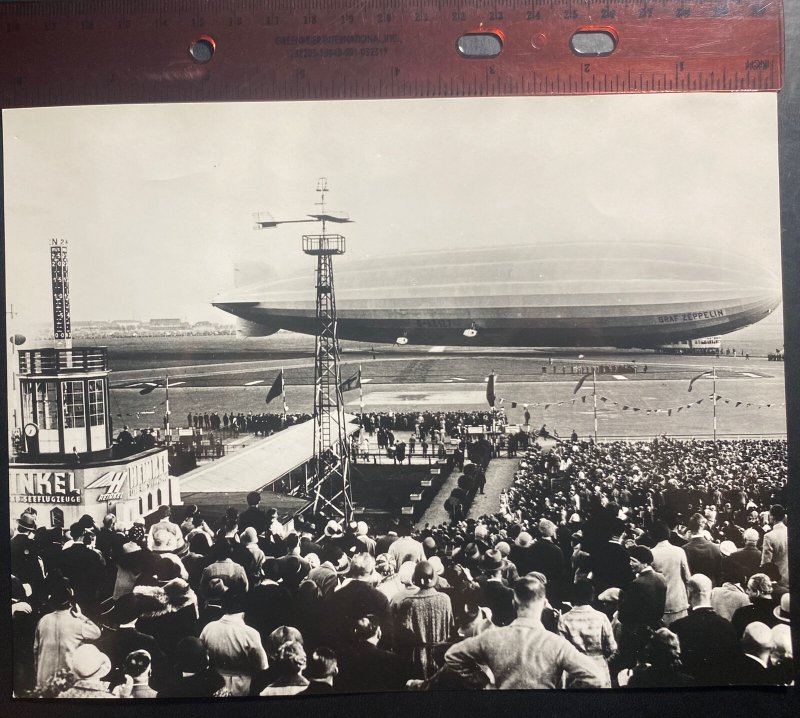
(323, 244)
(34, 362)
(701, 436)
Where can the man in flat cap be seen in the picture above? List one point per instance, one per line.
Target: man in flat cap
(641, 606)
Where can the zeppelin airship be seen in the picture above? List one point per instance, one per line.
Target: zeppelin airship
(559, 294)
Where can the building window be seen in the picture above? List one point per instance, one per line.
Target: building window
(141, 507)
(46, 398)
(97, 406)
(149, 502)
(158, 496)
(74, 409)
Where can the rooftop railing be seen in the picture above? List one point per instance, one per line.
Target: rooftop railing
(34, 362)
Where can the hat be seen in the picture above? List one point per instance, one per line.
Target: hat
(524, 539)
(492, 560)
(216, 588)
(166, 569)
(751, 535)
(782, 612)
(503, 548)
(126, 609)
(726, 548)
(130, 547)
(406, 572)
(438, 566)
(89, 663)
(361, 528)
(191, 655)
(342, 565)
(610, 595)
(332, 528)
(163, 540)
(641, 553)
(547, 528)
(481, 531)
(476, 620)
(471, 551)
(26, 522)
(575, 519)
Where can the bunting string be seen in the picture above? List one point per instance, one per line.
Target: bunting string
(670, 410)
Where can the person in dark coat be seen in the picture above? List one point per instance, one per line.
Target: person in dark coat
(754, 662)
(521, 554)
(749, 557)
(710, 648)
(169, 613)
(269, 605)
(703, 555)
(365, 667)
(194, 678)
(25, 556)
(322, 669)
(641, 606)
(355, 598)
(762, 605)
(85, 569)
(547, 558)
(661, 666)
(610, 564)
(121, 638)
(493, 592)
(253, 516)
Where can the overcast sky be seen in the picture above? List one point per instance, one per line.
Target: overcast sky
(156, 201)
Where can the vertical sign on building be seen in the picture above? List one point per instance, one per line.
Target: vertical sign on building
(59, 273)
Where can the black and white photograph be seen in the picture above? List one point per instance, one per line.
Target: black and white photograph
(324, 398)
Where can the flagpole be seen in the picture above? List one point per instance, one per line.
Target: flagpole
(283, 397)
(594, 394)
(166, 426)
(360, 399)
(714, 377)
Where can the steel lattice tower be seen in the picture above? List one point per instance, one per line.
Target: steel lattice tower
(330, 484)
(328, 487)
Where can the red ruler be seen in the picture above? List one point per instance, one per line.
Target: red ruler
(114, 51)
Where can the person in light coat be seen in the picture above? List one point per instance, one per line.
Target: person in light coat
(671, 562)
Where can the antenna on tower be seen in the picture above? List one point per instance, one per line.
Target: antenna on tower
(329, 487)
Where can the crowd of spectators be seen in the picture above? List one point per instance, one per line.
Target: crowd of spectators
(657, 563)
(262, 424)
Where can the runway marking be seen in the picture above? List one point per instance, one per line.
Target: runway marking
(432, 397)
(253, 383)
(619, 377)
(750, 374)
(436, 350)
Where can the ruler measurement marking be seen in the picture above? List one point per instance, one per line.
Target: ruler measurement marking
(101, 37)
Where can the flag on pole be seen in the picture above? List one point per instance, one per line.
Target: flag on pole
(691, 383)
(354, 382)
(490, 395)
(580, 383)
(513, 404)
(276, 389)
(150, 386)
